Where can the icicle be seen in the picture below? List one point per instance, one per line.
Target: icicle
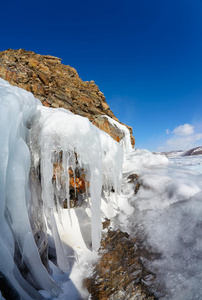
(74, 182)
(65, 166)
(61, 256)
(95, 190)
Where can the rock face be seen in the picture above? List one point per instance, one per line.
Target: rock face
(56, 85)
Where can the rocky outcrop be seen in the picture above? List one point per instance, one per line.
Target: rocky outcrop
(56, 85)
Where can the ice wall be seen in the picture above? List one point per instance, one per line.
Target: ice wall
(28, 128)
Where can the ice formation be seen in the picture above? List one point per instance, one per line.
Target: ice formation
(33, 140)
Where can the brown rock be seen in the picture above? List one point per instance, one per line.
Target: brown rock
(46, 104)
(55, 105)
(105, 106)
(32, 63)
(43, 68)
(45, 80)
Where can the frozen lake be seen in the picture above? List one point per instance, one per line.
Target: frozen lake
(168, 218)
(191, 162)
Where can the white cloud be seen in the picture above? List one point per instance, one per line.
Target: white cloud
(183, 137)
(184, 143)
(184, 130)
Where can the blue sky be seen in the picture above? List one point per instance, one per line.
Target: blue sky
(145, 56)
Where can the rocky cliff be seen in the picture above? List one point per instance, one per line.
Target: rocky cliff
(58, 85)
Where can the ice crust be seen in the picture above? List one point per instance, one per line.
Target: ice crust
(34, 135)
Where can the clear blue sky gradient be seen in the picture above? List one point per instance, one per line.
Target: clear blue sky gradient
(145, 56)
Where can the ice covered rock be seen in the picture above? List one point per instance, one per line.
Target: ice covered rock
(116, 130)
(42, 152)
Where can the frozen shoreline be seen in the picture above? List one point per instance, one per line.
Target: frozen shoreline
(158, 200)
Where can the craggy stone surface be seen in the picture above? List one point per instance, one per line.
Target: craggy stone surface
(54, 84)
(120, 273)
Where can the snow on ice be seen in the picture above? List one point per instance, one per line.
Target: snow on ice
(165, 212)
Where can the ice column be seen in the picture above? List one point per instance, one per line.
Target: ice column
(16, 109)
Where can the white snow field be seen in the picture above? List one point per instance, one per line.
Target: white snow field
(165, 212)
